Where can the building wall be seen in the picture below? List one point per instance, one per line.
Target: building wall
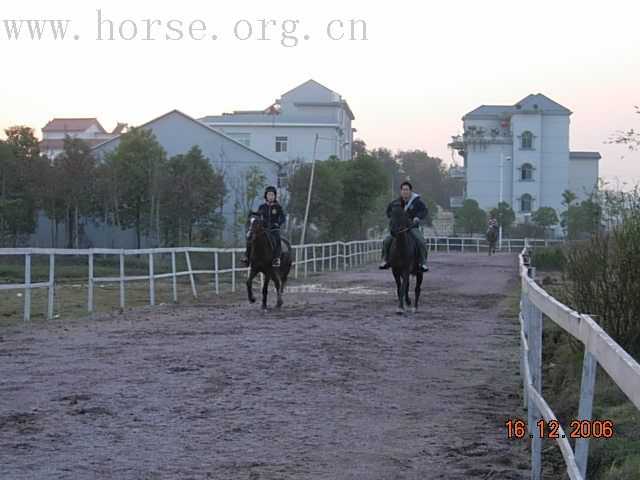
(583, 177)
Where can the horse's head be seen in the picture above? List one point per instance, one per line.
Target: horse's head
(398, 219)
(253, 226)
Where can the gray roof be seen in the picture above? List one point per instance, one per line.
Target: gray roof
(584, 156)
(197, 123)
(265, 118)
(533, 103)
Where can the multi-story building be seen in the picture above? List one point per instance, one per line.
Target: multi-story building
(87, 129)
(287, 130)
(520, 154)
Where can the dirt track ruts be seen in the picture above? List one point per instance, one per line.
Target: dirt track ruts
(333, 386)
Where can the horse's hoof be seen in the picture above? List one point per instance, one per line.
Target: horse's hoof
(414, 309)
(252, 300)
(400, 311)
(279, 303)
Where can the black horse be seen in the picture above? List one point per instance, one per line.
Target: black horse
(260, 261)
(403, 258)
(492, 238)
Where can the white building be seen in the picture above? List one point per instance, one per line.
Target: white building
(286, 131)
(87, 129)
(522, 150)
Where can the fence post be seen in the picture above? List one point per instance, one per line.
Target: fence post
(27, 287)
(52, 266)
(535, 351)
(193, 282)
(322, 265)
(295, 273)
(585, 409)
(447, 244)
(90, 299)
(306, 257)
(122, 281)
(216, 275)
(152, 293)
(233, 271)
(173, 277)
(314, 259)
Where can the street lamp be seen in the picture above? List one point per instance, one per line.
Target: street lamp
(502, 160)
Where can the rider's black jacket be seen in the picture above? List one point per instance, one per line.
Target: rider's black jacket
(416, 208)
(272, 215)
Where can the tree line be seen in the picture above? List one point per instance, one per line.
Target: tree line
(134, 186)
(178, 200)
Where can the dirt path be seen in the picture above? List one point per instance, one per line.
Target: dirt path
(334, 386)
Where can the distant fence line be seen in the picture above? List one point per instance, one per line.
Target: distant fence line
(314, 257)
(598, 348)
(311, 257)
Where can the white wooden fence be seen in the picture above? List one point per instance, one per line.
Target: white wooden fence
(313, 257)
(599, 348)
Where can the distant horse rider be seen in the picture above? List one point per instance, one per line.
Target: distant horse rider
(273, 218)
(492, 223)
(416, 210)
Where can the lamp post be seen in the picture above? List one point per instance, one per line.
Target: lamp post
(502, 160)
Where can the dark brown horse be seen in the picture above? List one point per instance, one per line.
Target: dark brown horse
(260, 261)
(403, 258)
(492, 238)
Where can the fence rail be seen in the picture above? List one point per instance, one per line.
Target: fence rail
(312, 257)
(598, 348)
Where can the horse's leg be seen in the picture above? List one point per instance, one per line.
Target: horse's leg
(265, 290)
(407, 300)
(419, 276)
(398, 278)
(252, 275)
(276, 281)
(404, 289)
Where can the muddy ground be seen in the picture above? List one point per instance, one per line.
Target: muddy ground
(333, 386)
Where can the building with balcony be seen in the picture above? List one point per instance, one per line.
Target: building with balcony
(521, 152)
(286, 131)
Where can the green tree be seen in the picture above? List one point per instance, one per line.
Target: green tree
(504, 215)
(358, 149)
(363, 180)
(583, 219)
(544, 218)
(428, 175)
(77, 167)
(325, 208)
(192, 191)
(138, 163)
(470, 218)
(21, 181)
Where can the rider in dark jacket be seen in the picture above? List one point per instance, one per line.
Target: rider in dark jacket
(273, 219)
(416, 210)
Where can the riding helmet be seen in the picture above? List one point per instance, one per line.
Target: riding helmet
(270, 189)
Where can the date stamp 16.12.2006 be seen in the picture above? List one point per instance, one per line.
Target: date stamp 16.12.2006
(551, 429)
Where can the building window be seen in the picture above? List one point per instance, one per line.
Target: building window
(526, 172)
(243, 138)
(526, 203)
(282, 178)
(281, 144)
(526, 140)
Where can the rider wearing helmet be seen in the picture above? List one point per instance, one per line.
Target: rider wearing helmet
(416, 210)
(273, 219)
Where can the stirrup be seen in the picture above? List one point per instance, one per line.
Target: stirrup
(384, 265)
(276, 262)
(423, 267)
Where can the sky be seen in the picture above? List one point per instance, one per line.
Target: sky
(420, 67)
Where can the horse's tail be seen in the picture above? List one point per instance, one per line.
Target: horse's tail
(287, 260)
